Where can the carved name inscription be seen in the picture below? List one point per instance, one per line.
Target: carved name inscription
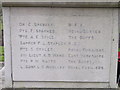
(60, 47)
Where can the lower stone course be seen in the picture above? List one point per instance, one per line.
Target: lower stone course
(66, 89)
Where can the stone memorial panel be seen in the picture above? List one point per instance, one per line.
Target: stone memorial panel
(61, 44)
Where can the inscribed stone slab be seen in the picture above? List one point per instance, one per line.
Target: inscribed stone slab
(61, 44)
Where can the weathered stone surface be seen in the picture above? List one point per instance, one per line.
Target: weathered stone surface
(61, 47)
